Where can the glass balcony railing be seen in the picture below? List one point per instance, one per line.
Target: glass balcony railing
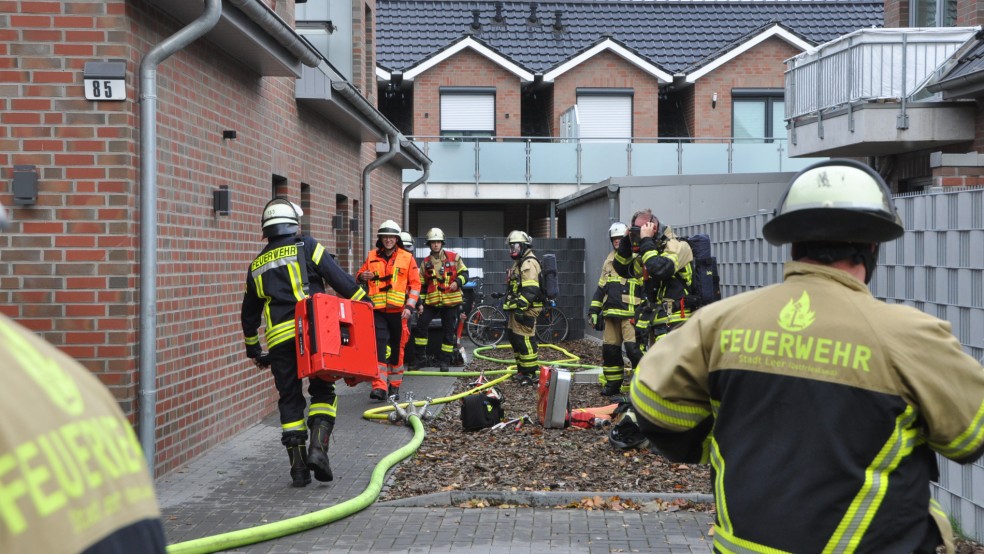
(550, 160)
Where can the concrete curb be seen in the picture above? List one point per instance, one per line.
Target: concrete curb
(535, 498)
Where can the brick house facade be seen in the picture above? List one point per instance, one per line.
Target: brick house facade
(70, 266)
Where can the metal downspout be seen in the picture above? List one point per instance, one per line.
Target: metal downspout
(406, 193)
(394, 149)
(613, 215)
(148, 218)
(279, 30)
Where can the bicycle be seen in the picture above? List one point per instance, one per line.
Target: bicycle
(486, 324)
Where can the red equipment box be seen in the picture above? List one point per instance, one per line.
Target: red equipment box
(553, 407)
(336, 339)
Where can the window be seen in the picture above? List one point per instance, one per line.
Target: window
(932, 13)
(758, 115)
(604, 115)
(467, 112)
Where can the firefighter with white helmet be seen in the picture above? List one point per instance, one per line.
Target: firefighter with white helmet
(391, 274)
(443, 274)
(406, 240)
(74, 476)
(288, 266)
(613, 308)
(523, 303)
(818, 405)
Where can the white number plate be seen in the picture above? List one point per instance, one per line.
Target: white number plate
(105, 89)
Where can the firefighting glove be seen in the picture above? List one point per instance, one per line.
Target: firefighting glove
(253, 351)
(593, 316)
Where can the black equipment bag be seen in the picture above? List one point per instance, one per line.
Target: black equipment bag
(548, 276)
(705, 287)
(481, 411)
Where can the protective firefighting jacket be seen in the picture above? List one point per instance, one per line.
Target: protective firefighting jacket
(74, 476)
(274, 286)
(396, 280)
(820, 409)
(523, 285)
(437, 274)
(663, 264)
(616, 296)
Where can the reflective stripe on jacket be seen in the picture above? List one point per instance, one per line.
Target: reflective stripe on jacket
(396, 281)
(616, 296)
(438, 273)
(818, 406)
(523, 284)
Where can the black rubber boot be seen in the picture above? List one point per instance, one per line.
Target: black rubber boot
(394, 391)
(317, 460)
(299, 473)
(444, 364)
(612, 388)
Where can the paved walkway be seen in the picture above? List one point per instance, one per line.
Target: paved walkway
(244, 482)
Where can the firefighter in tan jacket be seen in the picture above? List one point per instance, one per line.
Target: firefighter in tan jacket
(819, 407)
(523, 303)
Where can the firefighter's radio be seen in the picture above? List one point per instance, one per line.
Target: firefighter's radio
(335, 339)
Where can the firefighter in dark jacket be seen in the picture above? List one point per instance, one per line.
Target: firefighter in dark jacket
(614, 305)
(820, 408)
(274, 285)
(653, 253)
(523, 303)
(443, 274)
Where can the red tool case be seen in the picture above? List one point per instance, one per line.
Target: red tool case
(336, 339)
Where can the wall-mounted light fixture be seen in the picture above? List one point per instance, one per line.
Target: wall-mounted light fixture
(228, 134)
(220, 200)
(25, 185)
(714, 100)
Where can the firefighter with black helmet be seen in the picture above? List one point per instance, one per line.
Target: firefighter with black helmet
(613, 309)
(523, 303)
(393, 279)
(288, 269)
(821, 408)
(443, 274)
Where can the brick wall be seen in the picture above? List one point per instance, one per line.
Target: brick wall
(760, 67)
(466, 69)
(70, 266)
(608, 70)
(896, 13)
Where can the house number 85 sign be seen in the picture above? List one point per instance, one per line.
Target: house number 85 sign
(105, 89)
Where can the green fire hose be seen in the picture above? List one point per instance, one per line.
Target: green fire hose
(270, 531)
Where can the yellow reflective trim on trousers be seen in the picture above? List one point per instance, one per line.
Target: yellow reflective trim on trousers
(934, 506)
(293, 426)
(720, 501)
(726, 542)
(968, 441)
(322, 408)
(448, 348)
(865, 505)
(420, 341)
(319, 251)
(659, 409)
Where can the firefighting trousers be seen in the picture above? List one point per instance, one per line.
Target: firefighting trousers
(449, 328)
(389, 348)
(525, 351)
(283, 365)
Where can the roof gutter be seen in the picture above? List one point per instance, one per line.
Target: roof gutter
(148, 218)
(278, 29)
(348, 92)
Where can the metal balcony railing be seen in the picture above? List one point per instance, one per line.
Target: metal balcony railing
(551, 160)
(870, 65)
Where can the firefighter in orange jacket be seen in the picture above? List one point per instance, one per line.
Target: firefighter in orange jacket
(821, 409)
(444, 273)
(274, 285)
(393, 279)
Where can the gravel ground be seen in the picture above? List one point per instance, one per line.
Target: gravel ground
(535, 459)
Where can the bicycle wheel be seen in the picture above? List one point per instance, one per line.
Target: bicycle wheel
(486, 326)
(551, 326)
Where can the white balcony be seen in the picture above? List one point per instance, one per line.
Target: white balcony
(864, 94)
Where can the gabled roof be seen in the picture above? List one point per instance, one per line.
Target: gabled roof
(611, 45)
(463, 43)
(965, 77)
(675, 36)
(744, 44)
